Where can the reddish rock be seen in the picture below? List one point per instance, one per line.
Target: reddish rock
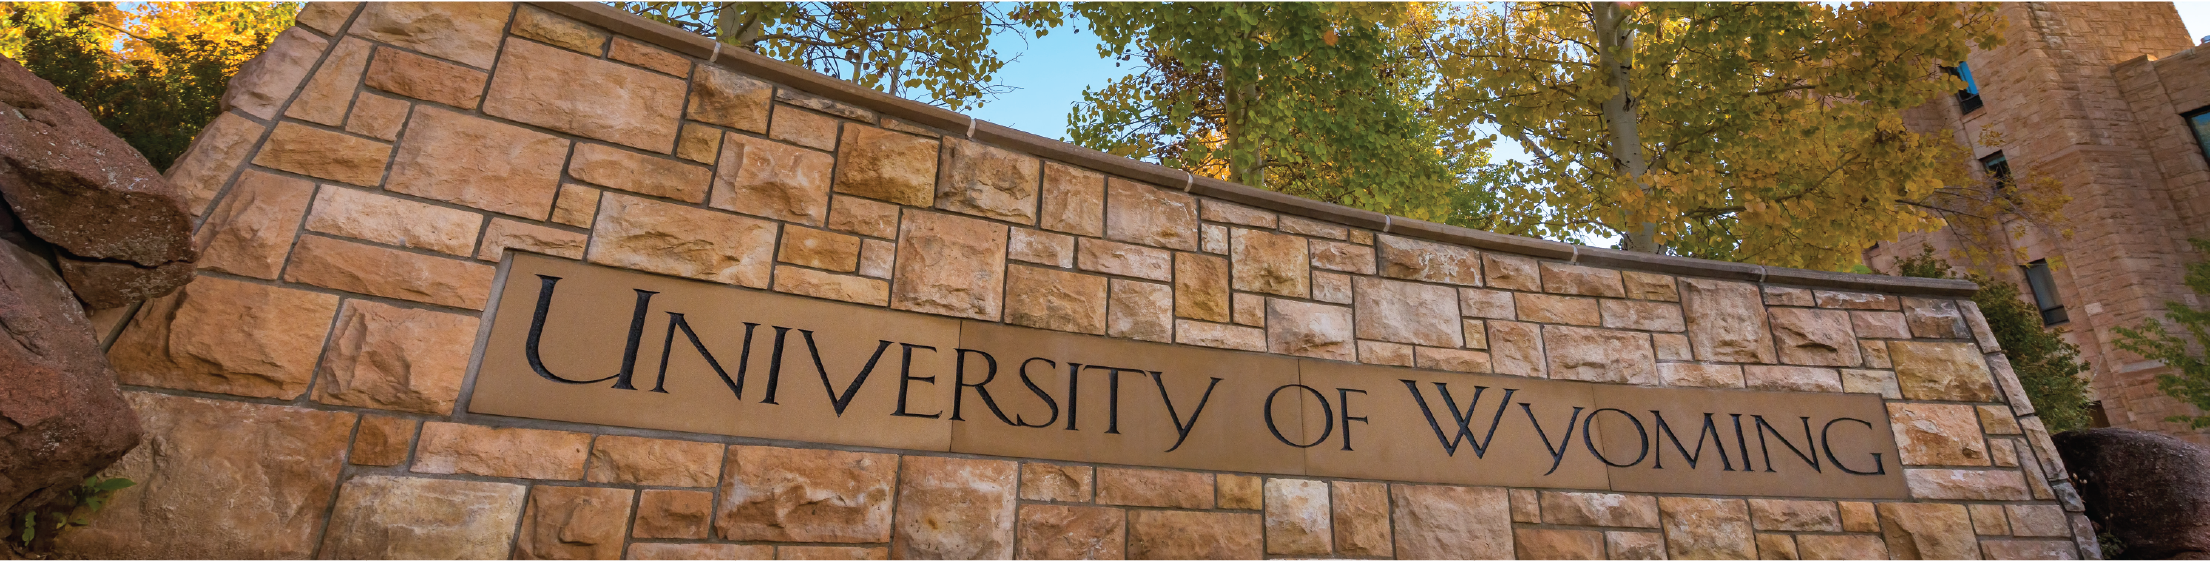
(65, 419)
(1176, 534)
(1072, 532)
(669, 514)
(1154, 488)
(788, 494)
(573, 523)
(2150, 490)
(954, 508)
(384, 517)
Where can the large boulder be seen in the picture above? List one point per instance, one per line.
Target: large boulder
(120, 232)
(2149, 490)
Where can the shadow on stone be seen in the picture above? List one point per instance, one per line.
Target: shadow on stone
(2150, 491)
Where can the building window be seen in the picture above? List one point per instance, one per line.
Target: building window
(2044, 289)
(2200, 122)
(1968, 99)
(1997, 167)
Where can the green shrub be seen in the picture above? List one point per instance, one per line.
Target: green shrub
(2190, 380)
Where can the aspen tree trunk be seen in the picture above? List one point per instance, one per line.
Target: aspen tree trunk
(1246, 162)
(1615, 51)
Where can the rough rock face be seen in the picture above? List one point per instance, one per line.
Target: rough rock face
(61, 417)
(121, 230)
(2150, 490)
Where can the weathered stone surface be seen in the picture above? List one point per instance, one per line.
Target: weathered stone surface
(1856, 300)
(1928, 531)
(2003, 452)
(1140, 310)
(1298, 518)
(640, 173)
(382, 441)
(701, 143)
(1056, 482)
(987, 181)
(1271, 263)
(588, 97)
(327, 95)
(1072, 532)
(425, 78)
(1307, 329)
(716, 551)
(1477, 334)
(1726, 321)
(1934, 319)
(1154, 488)
(1327, 287)
(1390, 354)
(1815, 337)
(264, 498)
(1512, 272)
(1537, 543)
(864, 217)
(723, 97)
(386, 357)
(1315, 228)
(1405, 312)
(562, 32)
(385, 517)
(831, 552)
(477, 162)
(505, 234)
(629, 460)
(389, 220)
(803, 128)
(670, 514)
(1787, 296)
(1646, 316)
(1547, 308)
(1937, 434)
(1671, 346)
(1877, 382)
(1216, 211)
(1115, 258)
(1600, 355)
(451, 448)
(1560, 278)
(1635, 545)
(1777, 546)
(1490, 304)
(1791, 378)
(1455, 360)
(1421, 260)
(377, 116)
(798, 495)
(1650, 286)
(1057, 300)
(1440, 522)
(2038, 521)
(1044, 248)
(876, 258)
(950, 265)
(225, 336)
(1879, 325)
(1201, 287)
(954, 508)
(1516, 349)
(887, 165)
(1778, 515)
(1073, 200)
(784, 182)
(251, 232)
(663, 238)
(1941, 371)
(573, 523)
(263, 84)
(1167, 534)
(577, 206)
(2030, 549)
(1699, 528)
(2149, 490)
(818, 284)
(1614, 510)
(1701, 375)
(819, 249)
(1143, 214)
(1981, 333)
(391, 273)
(1876, 353)
(824, 105)
(468, 33)
(1815, 546)
(326, 16)
(1349, 258)
(1859, 517)
(215, 154)
(315, 152)
(648, 56)
(1213, 238)
(1988, 520)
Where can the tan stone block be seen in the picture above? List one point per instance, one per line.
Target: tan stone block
(803, 128)
(220, 148)
(698, 143)
(1477, 334)
(1937, 434)
(535, 23)
(387, 357)
(1056, 300)
(1815, 337)
(800, 495)
(1331, 288)
(1217, 211)
(1420, 260)
(1154, 488)
(783, 182)
(1726, 321)
(1546, 308)
(954, 508)
(1140, 310)
(653, 236)
(569, 92)
(950, 265)
(1362, 519)
(390, 273)
(1213, 238)
(1298, 518)
(225, 336)
(1876, 382)
(319, 153)
(887, 166)
(1042, 248)
(1114, 258)
(1201, 287)
(1941, 371)
(1219, 335)
(1700, 375)
(629, 460)
(1614, 510)
(710, 551)
(818, 284)
(1405, 312)
(2029, 549)
(1074, 200)
(668, 514)
(1440, 522)
(1879, 325)
(382, 441)
(389, 220)
(1072, 532)
(1307, 329)
(2038, 521)
(877, 258)
(469, 34)
(452, 448)
(1166, 534)
(1699, 528)
(1250, 309)
(1388, 354)
(1778, 515)
(196, 454)
(1056, 482)
(1348, 258)
(1490, 304)
(577, 206)
(648, 56)
(1859, 517)
(1876, 353)
(1516, 349)
(1988, 520)
(1537, 543)
(1934, 319)
(1777, 546)
(819, 249)
(425, 78)
(1650, 286)
(1856, 300)
(507, 234)
(1646, 316)
(1980, 330)
(1315, 228)
(1635, 545)
(325, 98)
(326, 17)
(1512, 272)
(1928, 531)
(1362, 237)
(723, 97)
(384, 517)
(378, 116)
(1561, 278)
(2003, 452)
(643, 174)
(824, 105)
(263, 84)
(476, 162)
(987, 181)
(1814, 546)
(1600, 355)
(1791, 378)
(831, 552)
(1997, 419)
(1967, 485)
(864, 217)
(1671, 346)
(1240, 492)
(573, 523)
(1787, 296)
(252, 231)
(1526, 506)
(1143, 214)
(1270, 263)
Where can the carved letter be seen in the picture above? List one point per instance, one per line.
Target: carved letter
(667, 348)
(1811, 458)
(1040, 393)
(1878, 467)
(837, 401)
(545, 286)
(1181, 429)
(1326, 412)
(959, 393)
(1465, 433)
(1640, 437)
(905, 379)
(1710, 428)
(1557, 453)
(1344, 395)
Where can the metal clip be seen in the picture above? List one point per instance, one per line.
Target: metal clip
(970, 127)
(717, 53)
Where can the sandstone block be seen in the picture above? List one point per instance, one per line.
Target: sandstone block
(819, 249)
(383, 441)
(1815, 546)
(577, 206)
(1980, 331)
(1701, 375)
(987, 181)
(1859, 517)
(1876, 382)
(648, 56)
(830, 552)
(1477, 334)
(1073, 200)
(1362, 519)
(1792, 378)
(1143, 214)
(377, 116)
(1490, 304)
(1726, 321)
(1072, 532)
(864, 217)
(1455, 360)
(1140, 310)
(1600, 355)
(1547, 308)
(1217, 211)
(262, 85)
(954, 508)
(717, 551)
(1512, 272)
(1613, 510)
(387, 357)
(887, 166)
(1154, 488)
(326, 17)
(784, 182)
(1390, 354)
(1516, 349)
(1967, 485)
(468, 33)
(1650, 286)
(1057, 300)
(1271, 263)
(798, 495)
(451, 448)
(1298, 518)
(1879, 325)
(629, 460)
(1404, 312)
(366, 269)
(1941, 371)
(220, 148)
(1635, 545)
(1787, 296)
(2003, 452)
(700, 143)
(1856, 300)
(319, 153)
(818, 284)
(1169, 534)
(1440, 522)
(569, 92)
(2029, 549)
(1560, 278)
(1362, 237)
(1928, 531)
(225, 336)
(1306, 329)
(640, 173)
(1988, 520)
(950, 265)
(1535, 543)
(425, 78)
(252, 231)
(1930, 434)
(1044, 248)
(1698, 528)
(2038, 520)
(876, 258)
(682, 515)
(385, 517)
(1201, 287)
(1776, 546)
(1934, 319)
(722, 97)
(1213, 238)
(1671, 346)
(389, 220)
(824, 105)
(1778, 515)
(476, 162)
(2007, 380)
(1056, 482)
(1876, 353)
(1815, 337)
(803, 128)
(1331, 287)
(1114, 258)
(562, 32)
(505, 234)
(648, 235)
(1314, 228)
(327, 95)
(573, 523)
(1407, 258)
(1645, 316)
(1348, 258)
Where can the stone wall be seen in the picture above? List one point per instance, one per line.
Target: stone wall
(305, 396)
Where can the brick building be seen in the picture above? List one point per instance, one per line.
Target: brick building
(2110, 100)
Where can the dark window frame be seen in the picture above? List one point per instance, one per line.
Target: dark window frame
(1968, 99)
(2189, 120)
(2042, 286)
(1997, 167)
